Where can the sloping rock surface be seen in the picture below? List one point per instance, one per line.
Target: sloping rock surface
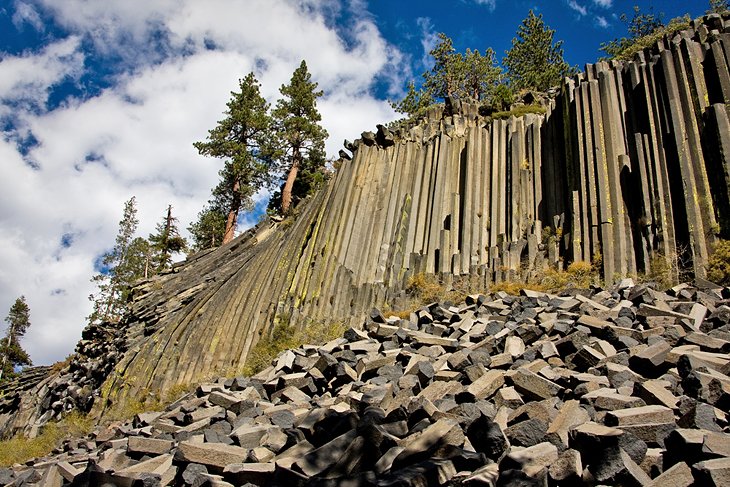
(627, 386)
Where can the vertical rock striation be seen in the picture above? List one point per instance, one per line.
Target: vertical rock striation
(629, 163)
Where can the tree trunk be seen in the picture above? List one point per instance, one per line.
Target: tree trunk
(289, 185)
(232, 214)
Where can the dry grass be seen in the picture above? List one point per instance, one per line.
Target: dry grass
(147, 401)
(20, 450)
(59, 366)
(403, 314)
(718, 265)
(285, 337)
(578, 275)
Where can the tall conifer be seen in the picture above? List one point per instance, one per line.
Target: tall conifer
(242, 139)
(534, 61)
(120, 268)
(11, 353)
(300, 136)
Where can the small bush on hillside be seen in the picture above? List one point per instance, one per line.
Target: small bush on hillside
(718, 265)
(425, 287)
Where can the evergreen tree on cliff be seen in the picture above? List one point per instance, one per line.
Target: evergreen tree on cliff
(120, 269)
(718, 6)
(300, 136)
(208, 230)
(11, 353)
(455, 75)
(165, 242)
(242, 139)
(534, 61)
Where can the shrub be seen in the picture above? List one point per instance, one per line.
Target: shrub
(718, 265)
(624, 49)
(425, 287)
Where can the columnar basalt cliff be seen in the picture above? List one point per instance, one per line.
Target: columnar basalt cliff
(630, 163)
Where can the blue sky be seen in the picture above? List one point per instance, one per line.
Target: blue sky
(102, 100)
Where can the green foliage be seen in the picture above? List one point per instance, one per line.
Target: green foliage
(299, 136)
(470, 75)
(415, 102)
(644, 30)
(20, 449)
(520, 111)
(11, 353)
(243, 139)
(208, 230)
(718, 265)
(285, 337)
(165, 242)
(642, 24)
(125, 264)
(502, 98)
(534, 61)
(718, 6)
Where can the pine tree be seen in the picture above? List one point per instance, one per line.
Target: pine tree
(300, 136)
(534, 61)
(164, 243)
(718, 6)
(482, 75)
(414, 101)
(11, 353)
(448, 72)
(455, 75)
(242, 139)
(120, 269)
(208, 230)
(641, 24)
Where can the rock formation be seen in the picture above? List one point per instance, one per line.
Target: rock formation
(629, 164)
(626, 386)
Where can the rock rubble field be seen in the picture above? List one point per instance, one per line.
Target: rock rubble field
(623, 386)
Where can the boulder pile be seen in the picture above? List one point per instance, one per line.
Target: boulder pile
(626, 386)
(42, 394)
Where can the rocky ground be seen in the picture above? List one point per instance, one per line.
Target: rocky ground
(627, 386)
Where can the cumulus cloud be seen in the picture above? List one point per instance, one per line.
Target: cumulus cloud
(581, 9)
(604, 3)
(64, 193)
(601, 22)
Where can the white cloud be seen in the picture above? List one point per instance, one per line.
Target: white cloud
(601, 22)
(25, 13)
(491, 4)
(135, 138)
(604, 3)
(582, 10)
(429, 40)
(26, 80)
